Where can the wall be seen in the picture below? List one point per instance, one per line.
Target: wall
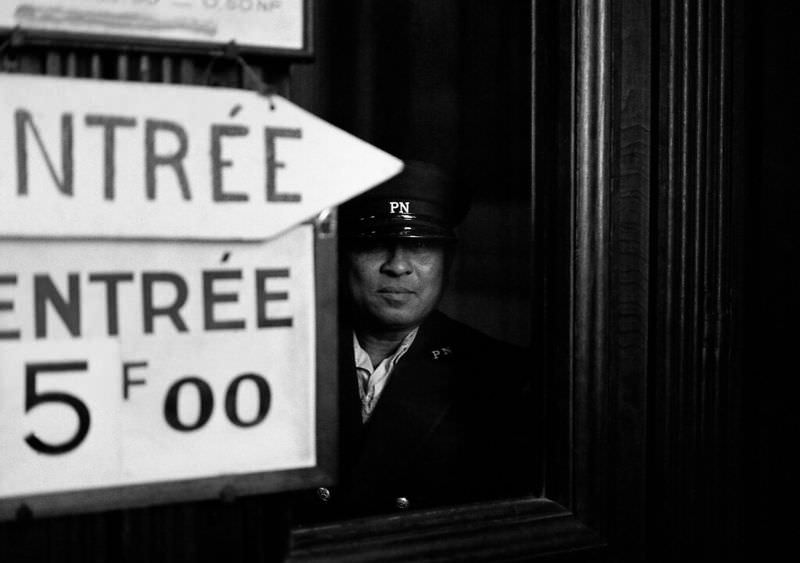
(768, 128)
(449, 82)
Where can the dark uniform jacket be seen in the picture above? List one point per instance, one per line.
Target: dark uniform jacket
(452, 425)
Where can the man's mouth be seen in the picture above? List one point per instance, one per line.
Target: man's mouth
(395, 290)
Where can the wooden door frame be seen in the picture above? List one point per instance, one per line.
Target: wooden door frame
(635, 288)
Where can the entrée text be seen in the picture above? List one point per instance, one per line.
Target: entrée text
(156, 133)
(67, 303)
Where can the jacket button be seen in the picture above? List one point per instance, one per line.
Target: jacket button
(323, 494)
(401, 503)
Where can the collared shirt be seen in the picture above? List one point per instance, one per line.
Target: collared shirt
(372, 380)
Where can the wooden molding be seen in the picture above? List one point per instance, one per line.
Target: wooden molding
(499, 531)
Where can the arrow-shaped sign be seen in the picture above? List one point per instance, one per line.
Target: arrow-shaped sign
(103, 159)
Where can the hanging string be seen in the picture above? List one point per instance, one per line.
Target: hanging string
(232, 52)
(15, 39)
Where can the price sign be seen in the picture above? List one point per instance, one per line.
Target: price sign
(126, 363)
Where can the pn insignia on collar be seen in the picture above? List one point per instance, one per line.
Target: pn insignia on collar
(399, 206)
(441, 352)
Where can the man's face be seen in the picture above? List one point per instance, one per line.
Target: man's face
(395, 284)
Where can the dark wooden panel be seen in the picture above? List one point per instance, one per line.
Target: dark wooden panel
(692, 362)
(695, 368)
(768, 119)
(645, 150)
(630, 283)
(536, 529)
(591, 183)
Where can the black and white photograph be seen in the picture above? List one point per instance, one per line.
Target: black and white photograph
(315, 281)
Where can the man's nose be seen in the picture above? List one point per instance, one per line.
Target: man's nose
(397, 262)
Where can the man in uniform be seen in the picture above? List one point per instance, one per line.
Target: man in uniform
(432, 412)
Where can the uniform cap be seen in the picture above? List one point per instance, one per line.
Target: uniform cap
(420, 203)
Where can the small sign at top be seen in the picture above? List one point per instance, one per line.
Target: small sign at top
(255, 25)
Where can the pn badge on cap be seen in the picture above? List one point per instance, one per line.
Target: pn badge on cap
(419, 202)
(400, 207)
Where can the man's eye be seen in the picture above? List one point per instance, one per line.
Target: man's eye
(416, 246)
(422, 245)
(369, 247)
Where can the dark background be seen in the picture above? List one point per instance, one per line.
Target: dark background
(448, 82)
(768, 134)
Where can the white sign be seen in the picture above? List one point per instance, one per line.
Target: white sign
(132, 362)
(277, 24)
(89, 158)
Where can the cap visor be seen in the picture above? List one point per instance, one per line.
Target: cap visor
(399, 227)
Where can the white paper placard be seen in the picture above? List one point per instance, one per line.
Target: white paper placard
(191, 360)
(107, 159)
(273, 24)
